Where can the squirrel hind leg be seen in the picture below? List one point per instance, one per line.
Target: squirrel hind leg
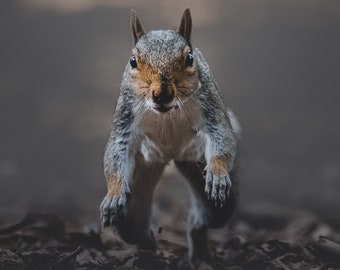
(198, 220)
(204, 214)
(135, 227)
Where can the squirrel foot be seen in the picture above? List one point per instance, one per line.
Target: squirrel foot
(113, 210)
(217, 187)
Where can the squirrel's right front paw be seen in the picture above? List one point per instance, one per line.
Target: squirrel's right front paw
(113, 210)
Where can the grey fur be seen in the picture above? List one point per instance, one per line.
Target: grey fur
(142, 142)
(161, 48)
(185, 26)
(137, 28)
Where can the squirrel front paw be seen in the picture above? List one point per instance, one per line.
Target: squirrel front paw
(113, 210)
(217, 187)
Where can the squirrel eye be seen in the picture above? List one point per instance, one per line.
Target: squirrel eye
(133, 61)
(190, 60)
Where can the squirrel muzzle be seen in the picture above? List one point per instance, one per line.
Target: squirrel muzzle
(162, 95)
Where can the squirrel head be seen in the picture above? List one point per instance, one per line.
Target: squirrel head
(163, 69)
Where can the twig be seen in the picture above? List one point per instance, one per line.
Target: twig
(328, 246)
(66, 258)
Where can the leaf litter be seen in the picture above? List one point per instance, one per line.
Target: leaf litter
(46, 242)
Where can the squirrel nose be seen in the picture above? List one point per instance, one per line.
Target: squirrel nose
(164, 96)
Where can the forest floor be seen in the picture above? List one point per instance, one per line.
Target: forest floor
(251, 241)
(263, 237)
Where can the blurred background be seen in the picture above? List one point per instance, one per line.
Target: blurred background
(61, 62)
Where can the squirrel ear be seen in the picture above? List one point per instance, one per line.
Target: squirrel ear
(185, 26)
(137, 28)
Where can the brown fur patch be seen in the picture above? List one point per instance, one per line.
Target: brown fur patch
(114, 186)
(219, 165)
(147, 78)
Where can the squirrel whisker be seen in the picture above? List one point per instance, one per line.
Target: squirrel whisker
(182, 107)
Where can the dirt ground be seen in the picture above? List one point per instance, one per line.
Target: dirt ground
(298, 241)
(271, 239)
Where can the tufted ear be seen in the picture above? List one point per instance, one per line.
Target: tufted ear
(185, 26)
(137, 28)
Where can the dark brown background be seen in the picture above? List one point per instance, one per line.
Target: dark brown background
(277, 63)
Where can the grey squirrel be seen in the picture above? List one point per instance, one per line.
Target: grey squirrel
(170, 108)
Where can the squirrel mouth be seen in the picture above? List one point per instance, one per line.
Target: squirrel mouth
(163, 109)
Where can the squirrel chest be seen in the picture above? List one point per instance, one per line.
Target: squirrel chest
(174, 135)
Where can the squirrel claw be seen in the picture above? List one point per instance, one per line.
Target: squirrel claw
(113, 210)
(217, 188)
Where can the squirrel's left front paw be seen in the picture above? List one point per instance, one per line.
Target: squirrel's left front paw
(217, 187)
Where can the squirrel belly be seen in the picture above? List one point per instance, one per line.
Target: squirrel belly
(175, 135)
